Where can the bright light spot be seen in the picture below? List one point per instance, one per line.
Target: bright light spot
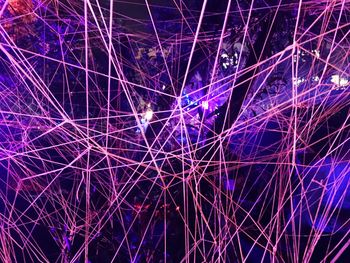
(336, 79)
(298, 81)
(224, 55)
(205, 104)
(163, 88)
(149, 114)
(316, 52)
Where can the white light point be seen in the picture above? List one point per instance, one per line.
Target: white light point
(337, 80)
(316, 52)
(205, 104)
(149, 114)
